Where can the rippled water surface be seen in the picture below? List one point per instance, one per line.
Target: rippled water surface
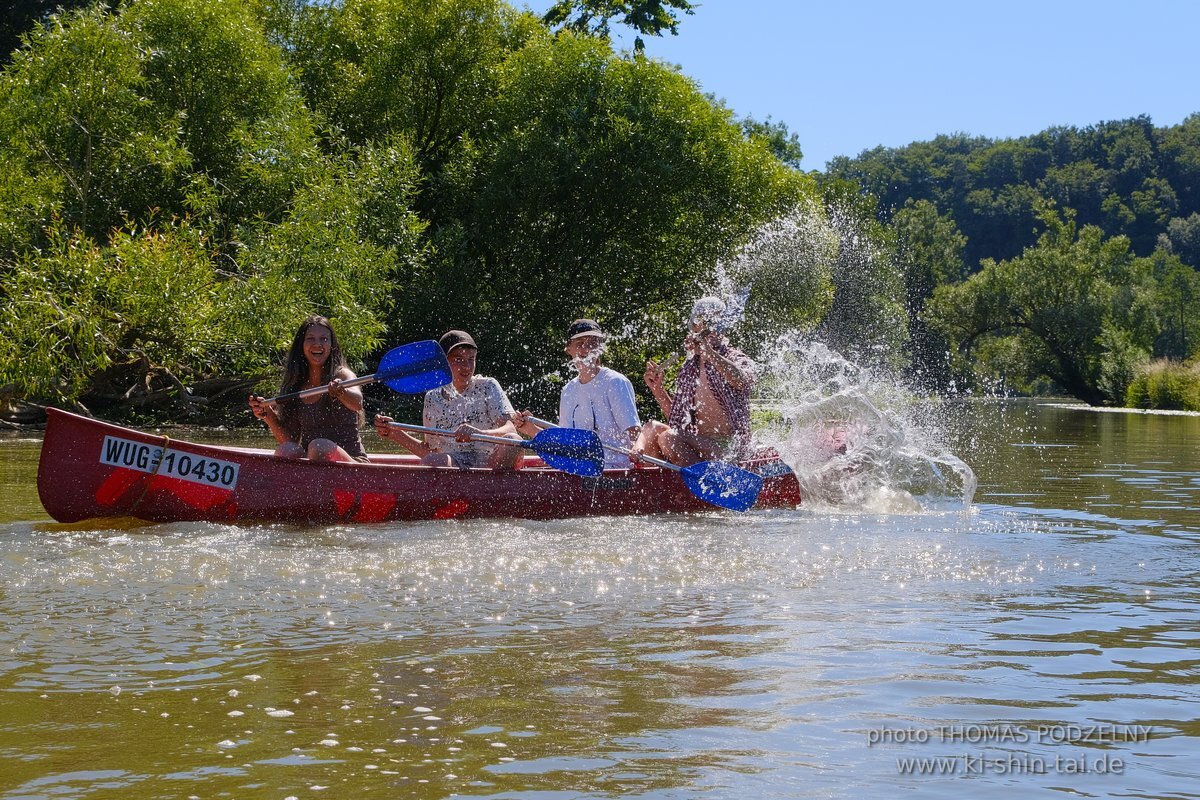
(1041, 643)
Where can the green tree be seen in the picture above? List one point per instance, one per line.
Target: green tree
(186, 107)
(1125, 176)
(210, 65)
(23, 15)
(1179, 154)
(784, 144)
(1080, 185)
(100, 147)
(929, 250)
(1182, 238)
(142, 315)
(347, 244)
(425, 69)
(1178, 306)
(608, 187)
(1058, 295)
(649, 17)
(867, 319)
(1002, 221)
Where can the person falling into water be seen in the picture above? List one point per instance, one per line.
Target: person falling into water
(598, 399)
(708, 416)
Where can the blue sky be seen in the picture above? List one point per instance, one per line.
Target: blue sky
(848, 76)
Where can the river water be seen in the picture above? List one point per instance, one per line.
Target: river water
(1042, 642)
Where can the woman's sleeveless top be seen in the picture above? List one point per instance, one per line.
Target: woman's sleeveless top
(325, 419)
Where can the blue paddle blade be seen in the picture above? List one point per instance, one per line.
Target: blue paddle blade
(723, 484)
(571, 450)
(414, 368)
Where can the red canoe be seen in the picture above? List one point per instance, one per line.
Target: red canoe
(94, 469)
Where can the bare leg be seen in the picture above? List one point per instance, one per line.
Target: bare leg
(435, 459)
(325, 450)
(678, 448)
(647, 441)
(507, 458)
(290, 450)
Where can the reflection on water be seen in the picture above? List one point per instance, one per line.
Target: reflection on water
(1050, 629)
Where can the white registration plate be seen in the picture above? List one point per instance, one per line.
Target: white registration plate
(144, 457)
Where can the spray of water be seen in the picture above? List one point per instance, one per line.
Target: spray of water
(856, 436)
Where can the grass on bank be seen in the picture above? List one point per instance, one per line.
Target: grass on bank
(1166, 384)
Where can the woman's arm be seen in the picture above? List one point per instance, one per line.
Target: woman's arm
(351, 397)
(267, 413)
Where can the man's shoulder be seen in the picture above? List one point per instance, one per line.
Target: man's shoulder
(610, 375)
(484, 383)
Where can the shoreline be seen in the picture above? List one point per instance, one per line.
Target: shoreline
(1165, 412)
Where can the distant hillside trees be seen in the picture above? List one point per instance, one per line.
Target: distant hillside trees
(1127, 177)
(1036, 298)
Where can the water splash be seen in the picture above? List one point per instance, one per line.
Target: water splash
(782, 279)
(857, 438)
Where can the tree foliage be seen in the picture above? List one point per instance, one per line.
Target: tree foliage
(1064, 299)
(783, 143)
(22, 16)
(929, 250)
(607, 186)
(1127, 177)
(181, 181)
(649, 17)
(1121, 181)
(425, 69)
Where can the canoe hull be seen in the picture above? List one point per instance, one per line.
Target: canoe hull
(91, 469)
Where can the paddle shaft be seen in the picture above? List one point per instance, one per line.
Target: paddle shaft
(479, 437)
(315, 390)
(409, 368)
(658, 462)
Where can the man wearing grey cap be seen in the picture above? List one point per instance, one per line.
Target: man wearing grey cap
(470, 404)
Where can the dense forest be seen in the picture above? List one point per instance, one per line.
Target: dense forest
(1060, 262)
(183, 181)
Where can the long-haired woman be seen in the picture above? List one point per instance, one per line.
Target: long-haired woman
(324, 427)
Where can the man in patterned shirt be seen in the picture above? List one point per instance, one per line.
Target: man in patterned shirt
(469, 404)
(708, 417)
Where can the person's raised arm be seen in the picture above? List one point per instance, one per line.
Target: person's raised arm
(653, 377)
(733, 366)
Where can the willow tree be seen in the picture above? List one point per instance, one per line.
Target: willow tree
(424, 69)
(607, 186)
(1070, 303)
(166, 212)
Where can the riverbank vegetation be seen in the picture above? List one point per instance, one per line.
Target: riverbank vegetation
(1063, 262)
(183, 180)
